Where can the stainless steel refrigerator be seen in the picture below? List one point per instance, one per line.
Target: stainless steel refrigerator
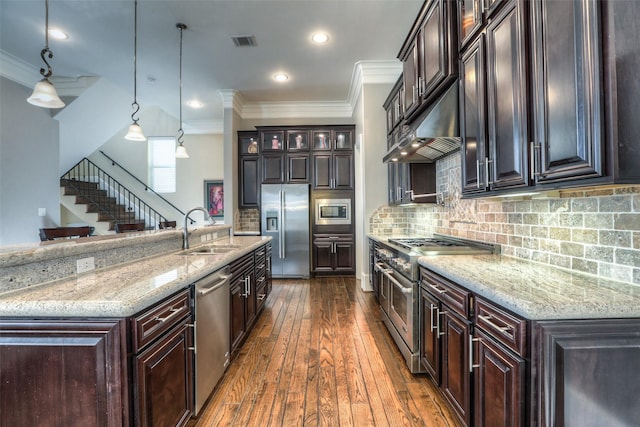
(285, 217)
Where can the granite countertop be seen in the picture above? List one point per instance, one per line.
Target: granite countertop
(124, 289)
(537, 291)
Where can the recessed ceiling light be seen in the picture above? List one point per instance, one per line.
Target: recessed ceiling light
(58, 34)
(320, 38)
(280, 77)
(194, 103)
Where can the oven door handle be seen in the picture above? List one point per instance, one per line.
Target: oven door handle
(403, 289)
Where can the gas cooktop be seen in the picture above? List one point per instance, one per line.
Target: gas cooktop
(440, 245)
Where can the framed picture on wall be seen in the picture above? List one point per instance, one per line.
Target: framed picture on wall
(214, 198)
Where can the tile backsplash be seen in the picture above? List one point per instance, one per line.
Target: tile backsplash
(592, 230)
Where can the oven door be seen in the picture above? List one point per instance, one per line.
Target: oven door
(401, 305)
(383, 285)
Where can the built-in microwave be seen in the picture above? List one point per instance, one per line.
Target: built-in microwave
(333, 211)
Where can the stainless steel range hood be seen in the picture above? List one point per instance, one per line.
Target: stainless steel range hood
(435, 133)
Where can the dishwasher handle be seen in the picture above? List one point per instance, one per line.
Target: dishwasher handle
(217, 285)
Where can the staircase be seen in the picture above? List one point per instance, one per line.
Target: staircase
(98, 199)
(107, 209)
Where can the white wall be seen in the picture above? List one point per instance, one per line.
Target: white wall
(28, 166)
(371, 173)
(205, 162)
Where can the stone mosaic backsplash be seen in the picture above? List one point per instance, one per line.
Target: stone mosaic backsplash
(591, 230)
(247, 220)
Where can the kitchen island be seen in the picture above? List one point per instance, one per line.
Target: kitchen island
(511, 342)
(110, 346)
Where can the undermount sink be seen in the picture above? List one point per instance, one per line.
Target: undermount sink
(213, 250)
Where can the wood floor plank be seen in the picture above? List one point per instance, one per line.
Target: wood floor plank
(320, 355)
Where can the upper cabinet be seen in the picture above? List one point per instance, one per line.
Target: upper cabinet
(249, 169)
(532, 113)
(568, 130)
(333, 159)
(393, 106)
(321, 156)
(429, 56)
(472, 16)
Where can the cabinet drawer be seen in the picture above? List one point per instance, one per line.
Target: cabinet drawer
(152, 323)
(241, 265)
(504, 327)
(454, 296)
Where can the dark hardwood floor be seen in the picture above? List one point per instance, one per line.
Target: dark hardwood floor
(320, 355)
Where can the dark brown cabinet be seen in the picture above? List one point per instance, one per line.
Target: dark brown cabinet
(57, 372)
(506, 164)
(473, 123)
(496, 159)
(588, 372)
(499, 384)
(250, 285)
(533, 110)
(164, 380)
(100, 372)
(393, 106)
(568, 132)
(333, 159)
(243, 298)
(499, 348)
(333, 171)
(456, 376)
(429, 55)
(163, 374)
(249, 169)
(447, 331)
(333, 254)
(472, 15)
(408, 180)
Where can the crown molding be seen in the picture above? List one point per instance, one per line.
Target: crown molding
(304, 109)
(17, 70)
(25, 74)
(232, 99)
(372, 72)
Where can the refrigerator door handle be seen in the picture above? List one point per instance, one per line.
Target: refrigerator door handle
(281, 231)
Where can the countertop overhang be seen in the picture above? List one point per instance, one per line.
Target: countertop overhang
(124, 289)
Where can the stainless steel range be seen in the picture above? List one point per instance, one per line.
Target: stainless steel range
(396, 283)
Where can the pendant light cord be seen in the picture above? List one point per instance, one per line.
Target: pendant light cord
(135, 105)
(180, 131)
(46, 51)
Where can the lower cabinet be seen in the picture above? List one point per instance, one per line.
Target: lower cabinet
(250, 287)
(498, 369)
(63, 372)
(588, 372)
(162, 342)
(333, 254)
(164, 380)
(446, 333)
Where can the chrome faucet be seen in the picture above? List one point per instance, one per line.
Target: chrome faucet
(185, 231)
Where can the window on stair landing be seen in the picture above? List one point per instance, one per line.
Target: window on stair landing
(162, 163)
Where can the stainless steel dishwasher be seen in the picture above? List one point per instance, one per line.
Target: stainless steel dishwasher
(212, 333)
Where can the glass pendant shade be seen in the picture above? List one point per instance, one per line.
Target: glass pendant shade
(181, 152)
(45, 95)
(135, 133)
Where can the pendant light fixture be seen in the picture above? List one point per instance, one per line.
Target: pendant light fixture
(44, 94)
(135, 131)
(181, 151)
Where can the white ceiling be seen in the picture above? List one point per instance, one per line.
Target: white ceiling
(101, 44)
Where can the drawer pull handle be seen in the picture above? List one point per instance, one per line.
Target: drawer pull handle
(437, 289)
(488, 320)
(173, 311)
(261, 297)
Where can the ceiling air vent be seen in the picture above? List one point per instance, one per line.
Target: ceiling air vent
(241, 41)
